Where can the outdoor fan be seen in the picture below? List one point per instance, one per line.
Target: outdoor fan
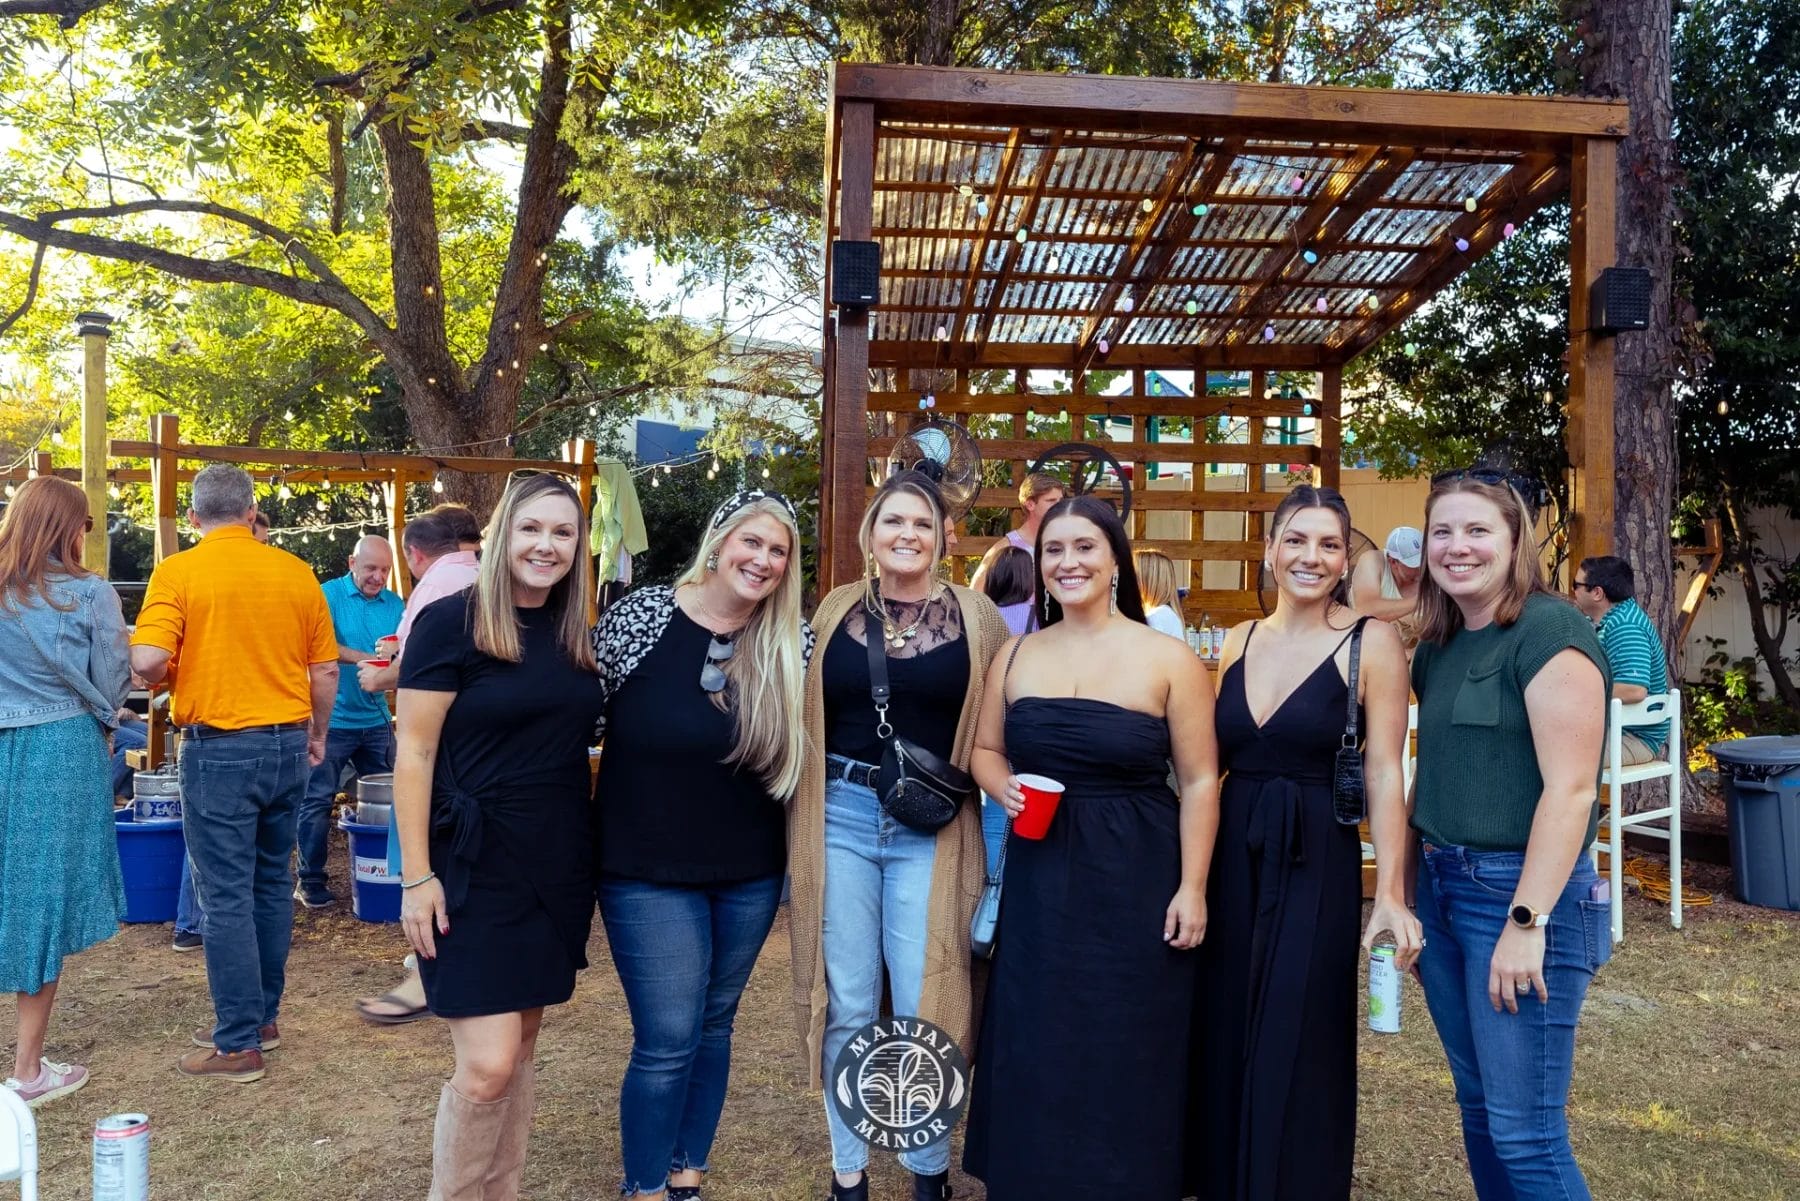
(947, 453)
(1086, 467)
(1266, 592)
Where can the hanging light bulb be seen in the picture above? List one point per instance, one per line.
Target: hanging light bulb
(325, 483)
(56, 438)
(1310, 255)
(543, 346)
(1055, 261)
(1462, 245)
(1200, 210)
(1299, 183)
(1269, 332)
(285, 492)
(1508, 230)
(113, 491)
(1306, 409)
(655, 480)
(1381, 417)
(437, 483)
(765, 473)
(965, 190)
(1192, 307)
(432, 380)
(942, 334)
(1023, 236)
(1470, 204)
(10, 490)
(981, 207)
(1105, 347)
(515, 364)
(1147, 204)
(321, 505)
(715, 465)
(669, 468)
(1724, 408)
(712, 475)
(930, 402)
(1322, 305)
(1126, 303)
(287, 415)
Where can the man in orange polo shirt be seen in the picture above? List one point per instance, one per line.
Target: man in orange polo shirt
(243, 633)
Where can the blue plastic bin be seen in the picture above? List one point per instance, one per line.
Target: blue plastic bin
(150, 855)
(1762, 816)
(374, 893)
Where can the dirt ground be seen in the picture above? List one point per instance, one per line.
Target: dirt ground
(1687, 1077)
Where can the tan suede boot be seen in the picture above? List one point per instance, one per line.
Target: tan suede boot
(462, 1144)
(502, 1181)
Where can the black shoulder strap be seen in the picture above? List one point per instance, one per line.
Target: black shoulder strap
(879, 692)
(1350, 723)
(1006, 701)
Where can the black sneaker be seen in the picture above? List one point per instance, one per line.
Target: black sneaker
(314, 896)
(187, 940)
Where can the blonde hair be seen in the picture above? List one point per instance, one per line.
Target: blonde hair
(1037, 483)
(765, 691)
(41, 532)
(493, 614)
(1156, 578)
(1439, 616)
(909, 483)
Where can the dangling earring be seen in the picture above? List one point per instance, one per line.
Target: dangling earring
(1112, 602)
(712, 561)
(1046, 606)
(869, 569)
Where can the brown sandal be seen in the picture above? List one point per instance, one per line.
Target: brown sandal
(390, 1019)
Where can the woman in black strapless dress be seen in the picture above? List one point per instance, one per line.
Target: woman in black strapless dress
(1080, 1080)
(1273, 1111)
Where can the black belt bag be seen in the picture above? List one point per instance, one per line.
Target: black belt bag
(919, 789)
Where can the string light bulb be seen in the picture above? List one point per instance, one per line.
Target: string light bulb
(942, 334)
(1310, 255)
(1023, 236)
(1299, 183)
(1470, 204)
(113, 491)
(965, 190)
(543, 346)
(1192, 307)
(56, 438)
(1200, 210)
(715, 465)
(437, 483)
(430, 291)
(1126, 303)
(1412, 350)
(284, 492)
(1147, 204)
(765, 473)
(10, 490)
(1322, 305)
(1724, 408)
(981, 207)
(287, 415)
(1055, 261)
(1269, 332)
(655, 480)
(1462, 245)
(515, 364)
(1104, 346)
(1381, 417)
(1508, 230)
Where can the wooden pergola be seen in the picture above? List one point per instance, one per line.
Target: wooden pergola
(1068, 223)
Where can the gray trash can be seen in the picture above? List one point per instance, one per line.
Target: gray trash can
(1762, 812)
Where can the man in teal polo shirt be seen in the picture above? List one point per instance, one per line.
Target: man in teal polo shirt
(363, 611)
(1605, 590)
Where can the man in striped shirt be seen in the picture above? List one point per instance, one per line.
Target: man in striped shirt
(1604, 589)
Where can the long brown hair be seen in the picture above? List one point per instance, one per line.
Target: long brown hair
(1307, 496)
(1439, 616)
(42, 531)
(494, 617)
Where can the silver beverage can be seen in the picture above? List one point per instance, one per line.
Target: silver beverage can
(122, 1158)
(1384, 990)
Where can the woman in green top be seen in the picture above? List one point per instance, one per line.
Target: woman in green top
(1512, 691)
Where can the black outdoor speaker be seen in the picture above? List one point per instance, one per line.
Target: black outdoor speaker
(1619, 300)
(855, 274)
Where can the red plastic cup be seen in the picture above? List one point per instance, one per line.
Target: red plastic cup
(1042, 795)
(376, 662)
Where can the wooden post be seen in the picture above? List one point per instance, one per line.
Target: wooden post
(165, 434)
(1142, 391)
(1331, 427)
(1255, 474)
(850, 361)
(94, 328)
(393, 495)
(583, 454)
(1593, 188)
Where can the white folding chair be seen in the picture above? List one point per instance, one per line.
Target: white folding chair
(1617, 775)
(18, 1144)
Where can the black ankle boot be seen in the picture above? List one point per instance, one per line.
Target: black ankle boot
(850, 1192)
(931, 1188)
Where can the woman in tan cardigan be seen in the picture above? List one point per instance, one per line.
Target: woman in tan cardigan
(895, 897)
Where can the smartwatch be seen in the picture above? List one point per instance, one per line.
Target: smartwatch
(1527, 918)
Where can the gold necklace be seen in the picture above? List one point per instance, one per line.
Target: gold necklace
(730, 628)
(890, 629)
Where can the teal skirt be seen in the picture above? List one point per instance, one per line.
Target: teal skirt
(60, 890)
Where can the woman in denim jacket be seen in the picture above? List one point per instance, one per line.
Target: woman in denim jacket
(64, 672)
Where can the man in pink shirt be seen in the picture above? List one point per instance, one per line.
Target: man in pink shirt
(440, 546)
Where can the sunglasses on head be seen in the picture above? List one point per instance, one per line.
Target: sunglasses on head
(525, 473)
(712, 675)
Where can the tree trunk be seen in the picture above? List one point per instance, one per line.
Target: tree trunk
(1628, 42)
(1768, 642)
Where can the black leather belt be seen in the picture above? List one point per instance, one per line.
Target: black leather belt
(863, 775)
(199, 731)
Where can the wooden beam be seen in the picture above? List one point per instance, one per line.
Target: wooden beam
(1545, 180)
(848, 402)
(1175, 548)
(934, 187)
(1150, 500)
(165, 434)
(1060, 356)
(1076, 277)
(1325, 114)
(1711, 557)
(1135, 452)
(1027, 221)
(1075, 312)
(1001, 403)
(1264, 293)
(1331, 427)
(393, 496)
(936, 233)
(96, 545)
(374, 465)
(1439, 152)
(1592, 231)
(827, 342)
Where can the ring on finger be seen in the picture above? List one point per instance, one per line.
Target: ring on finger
(1524, 986)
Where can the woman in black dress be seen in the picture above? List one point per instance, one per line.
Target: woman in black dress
(498, 703)
(1082, 1071)
(1274, 1054)
(705, 744)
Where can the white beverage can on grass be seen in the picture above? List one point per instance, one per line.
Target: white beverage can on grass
(122, 1158)
(1384, 989)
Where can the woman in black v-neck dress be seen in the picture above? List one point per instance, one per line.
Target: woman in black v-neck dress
(1272, 1105)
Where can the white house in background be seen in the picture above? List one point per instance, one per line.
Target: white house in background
(675, 424)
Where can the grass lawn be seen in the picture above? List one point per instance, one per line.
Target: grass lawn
(1687, 1078)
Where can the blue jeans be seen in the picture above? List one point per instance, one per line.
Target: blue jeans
(683, 955)
(877, 894)
(993, 829)
(239, 794)
(189, 917)
(130, 736)
(368, 751)
(1511, 1070)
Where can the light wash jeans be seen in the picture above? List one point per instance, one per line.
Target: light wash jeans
(877, 890)
(1511, 1070)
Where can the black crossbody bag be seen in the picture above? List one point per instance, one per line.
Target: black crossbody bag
(919, 790)
(1349, 803)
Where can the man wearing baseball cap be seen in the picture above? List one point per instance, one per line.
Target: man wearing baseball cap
(1387, 585)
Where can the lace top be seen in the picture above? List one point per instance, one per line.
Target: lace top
(928, 672)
